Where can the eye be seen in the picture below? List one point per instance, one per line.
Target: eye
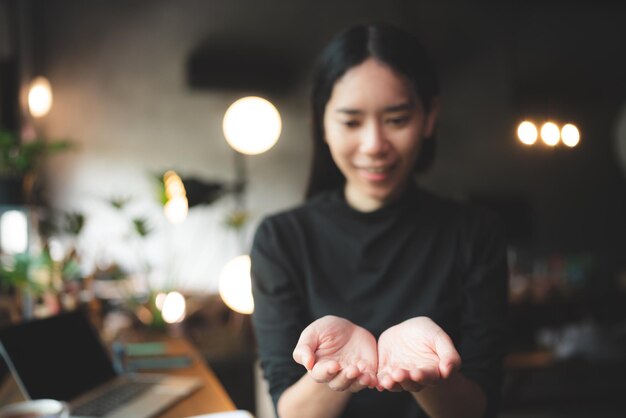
(351, 123)
(398, 121)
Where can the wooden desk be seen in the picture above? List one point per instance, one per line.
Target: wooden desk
(211, 397)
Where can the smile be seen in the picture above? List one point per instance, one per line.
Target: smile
(377, 169)
(376, 174)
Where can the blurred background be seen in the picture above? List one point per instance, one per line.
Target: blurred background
(139, 93)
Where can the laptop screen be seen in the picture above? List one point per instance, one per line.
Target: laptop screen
(59, 357)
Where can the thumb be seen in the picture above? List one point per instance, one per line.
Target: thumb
(449, 358)
(303, 354)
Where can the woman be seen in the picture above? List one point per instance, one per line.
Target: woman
(392, 298)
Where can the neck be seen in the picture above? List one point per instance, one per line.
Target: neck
(364, 203)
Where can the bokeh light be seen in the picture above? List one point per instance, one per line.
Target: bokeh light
(550, 134)
(235, 285)
(177, 205)
(174, 307)
(252, 125)
(176, 209)
(13, 232)
(527, 133)
(570, 135)
(39, 97)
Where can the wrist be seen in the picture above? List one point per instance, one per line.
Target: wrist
(456, 396)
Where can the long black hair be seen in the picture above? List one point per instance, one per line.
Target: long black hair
(390, 45)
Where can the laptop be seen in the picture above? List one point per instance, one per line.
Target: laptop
(62, 357)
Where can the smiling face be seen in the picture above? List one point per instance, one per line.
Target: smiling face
(374, 124)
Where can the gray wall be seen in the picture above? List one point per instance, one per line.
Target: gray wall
(118, 73)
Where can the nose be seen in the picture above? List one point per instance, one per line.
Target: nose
(373, 140)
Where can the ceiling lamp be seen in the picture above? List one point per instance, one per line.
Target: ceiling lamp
(550, 134)
(527, 133)
(39, 97)
(570, 135)
(252, 125)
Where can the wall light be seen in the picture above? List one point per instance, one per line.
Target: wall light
(570, 135)
(527, 133)
(39, 97)
(550, 134)
(235, 285)
(252, 125)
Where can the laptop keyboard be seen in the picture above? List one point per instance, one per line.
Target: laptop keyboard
(108, 401)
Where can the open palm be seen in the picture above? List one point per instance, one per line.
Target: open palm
(337, 352)
(414, 354)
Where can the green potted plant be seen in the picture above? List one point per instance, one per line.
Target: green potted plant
(19, 163)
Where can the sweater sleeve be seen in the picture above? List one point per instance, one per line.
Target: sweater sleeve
(279, 313)
(483, 323)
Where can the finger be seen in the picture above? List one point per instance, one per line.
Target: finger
(395, 388)
(362, 381)
(402, 381)
(357, 386)
(365, 367)
(425, 376)
(369, 380)
(449, 358)
(324, 372)
(398, 375)
(411, 381)
(368, 377)
(449, 367)
(304, 355)
(344, 379)
(380, 377)
(410, 386)
(351, 372)
(386, 382)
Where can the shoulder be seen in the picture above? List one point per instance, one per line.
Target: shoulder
(295, 215)
(284, 225)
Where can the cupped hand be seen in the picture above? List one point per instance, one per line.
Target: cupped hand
(414, 354)
(338, 353)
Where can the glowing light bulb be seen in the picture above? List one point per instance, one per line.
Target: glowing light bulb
(235, 285)
(550, 134)
(40, 97)
(252, 125)
(174, 307)
(570, 135)
(14, 227)
(527, 133)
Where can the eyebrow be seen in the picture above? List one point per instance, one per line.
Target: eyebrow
(389, 109)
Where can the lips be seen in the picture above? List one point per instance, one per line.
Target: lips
(375, 173)
(376, 169)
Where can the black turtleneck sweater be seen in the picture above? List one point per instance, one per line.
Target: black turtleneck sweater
(423, 255)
